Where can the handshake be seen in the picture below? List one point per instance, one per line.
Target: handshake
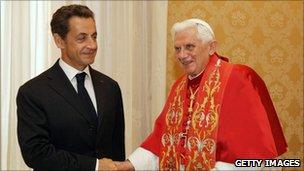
(108, 164)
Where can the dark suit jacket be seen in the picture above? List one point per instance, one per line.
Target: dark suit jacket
(54, 132)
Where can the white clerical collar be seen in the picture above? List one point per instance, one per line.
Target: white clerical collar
(192, 77)
(70, 71)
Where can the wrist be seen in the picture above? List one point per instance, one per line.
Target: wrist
(129, 165)
(125, 165)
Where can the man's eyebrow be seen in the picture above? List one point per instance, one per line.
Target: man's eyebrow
(82, 34)
(192, 44)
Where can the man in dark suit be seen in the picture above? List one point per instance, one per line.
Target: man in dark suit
(71, 116)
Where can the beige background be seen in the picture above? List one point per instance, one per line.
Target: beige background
(267, 36)
(132, 37)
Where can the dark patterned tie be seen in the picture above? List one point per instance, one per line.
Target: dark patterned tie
(85, 98)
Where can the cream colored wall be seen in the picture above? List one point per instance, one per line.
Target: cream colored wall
(265, 35)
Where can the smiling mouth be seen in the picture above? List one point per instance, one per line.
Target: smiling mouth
(186, 61)
(89, 53)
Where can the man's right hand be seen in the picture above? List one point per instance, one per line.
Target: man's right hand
(106, 164)
(125, 165)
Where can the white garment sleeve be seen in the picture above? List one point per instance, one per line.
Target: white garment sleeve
(219, 165)
(224, 166)
(143, 159)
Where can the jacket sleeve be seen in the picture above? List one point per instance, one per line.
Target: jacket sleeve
(34, 138)
(119, 129)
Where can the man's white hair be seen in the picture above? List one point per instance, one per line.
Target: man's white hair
(205, 32)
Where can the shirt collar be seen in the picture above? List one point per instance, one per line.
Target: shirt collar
(191, 78)
(71, 71)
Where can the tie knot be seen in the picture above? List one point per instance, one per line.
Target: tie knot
(80, 77)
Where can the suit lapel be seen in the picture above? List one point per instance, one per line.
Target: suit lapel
(62, 85)
(99, 87)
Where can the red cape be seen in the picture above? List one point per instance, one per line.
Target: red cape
(248, 126)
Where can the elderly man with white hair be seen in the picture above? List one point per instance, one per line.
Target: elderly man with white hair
(215, 114)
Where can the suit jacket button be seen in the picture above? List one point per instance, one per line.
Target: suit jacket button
(91, 128)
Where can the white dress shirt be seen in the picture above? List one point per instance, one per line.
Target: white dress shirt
(71, 72)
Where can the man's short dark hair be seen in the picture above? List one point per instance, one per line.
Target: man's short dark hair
(60, 20)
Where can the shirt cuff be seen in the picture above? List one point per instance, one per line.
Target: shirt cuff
(97, 164)
(143, 159)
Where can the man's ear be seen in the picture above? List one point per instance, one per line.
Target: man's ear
(213, 47)
(60, 43)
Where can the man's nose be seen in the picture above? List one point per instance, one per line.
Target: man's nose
(92, 43)
(182, 54)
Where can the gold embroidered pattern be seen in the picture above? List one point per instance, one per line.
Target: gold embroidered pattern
(204, 123)
(200, 146)
(170, 139)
